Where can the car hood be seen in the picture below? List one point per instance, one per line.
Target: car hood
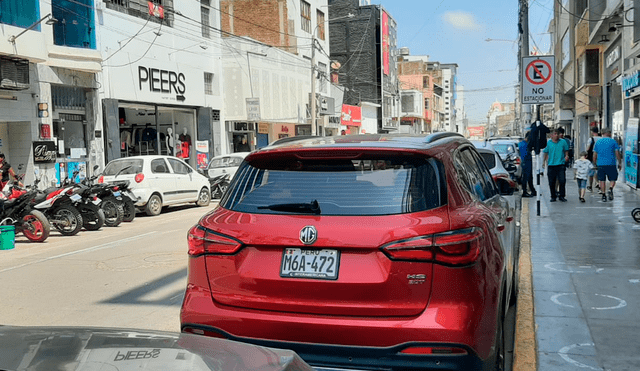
(88, 349)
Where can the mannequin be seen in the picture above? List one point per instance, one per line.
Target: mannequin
(169, 141)
(185, 144)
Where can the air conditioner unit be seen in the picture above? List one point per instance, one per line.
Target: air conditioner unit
(14, 73)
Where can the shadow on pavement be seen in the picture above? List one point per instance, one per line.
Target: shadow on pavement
(143, 295)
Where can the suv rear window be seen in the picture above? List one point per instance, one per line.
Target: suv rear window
(367, 186)
(489, 159)
(134, 167)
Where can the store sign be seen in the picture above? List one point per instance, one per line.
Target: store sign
(44, 152)
(253, 109)
(631, 82)
(351, 115)
(613, 56)
(263, 128)
(161, 81)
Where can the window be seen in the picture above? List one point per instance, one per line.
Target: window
(178, 166)
(426, 103)
(386, 185)
(124, 167)
(140, 9)
(320, 25)
(589, 67)
(208, 83)
(20, 13)
(76, 24)
(425, 82)
(566, 51)
(205, 18)
(305, 14)
(158, 165)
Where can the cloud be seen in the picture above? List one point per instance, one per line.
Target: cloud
(461, 20)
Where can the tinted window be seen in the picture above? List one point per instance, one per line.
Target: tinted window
(489, 159)
(127, 166)
(178, 166)
(369, 186)
(159, 166)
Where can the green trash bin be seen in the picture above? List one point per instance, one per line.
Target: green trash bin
(7, 237)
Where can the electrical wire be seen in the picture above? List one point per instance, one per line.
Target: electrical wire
(145, 53)
(130, 39)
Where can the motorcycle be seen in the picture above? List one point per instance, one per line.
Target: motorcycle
(57, 204)
(218, 185)
(17, 211)
(93, 217)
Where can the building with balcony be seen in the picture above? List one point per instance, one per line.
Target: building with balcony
(50, 116)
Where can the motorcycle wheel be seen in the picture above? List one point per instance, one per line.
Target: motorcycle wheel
(92, 217)
(71, 217)
(129, 210)
(113, 212)
(635, 213)
(35, 226)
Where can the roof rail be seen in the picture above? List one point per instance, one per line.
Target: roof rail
(441, 135)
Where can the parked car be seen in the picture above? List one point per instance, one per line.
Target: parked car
(508, 151)
(87, 348)
(355, 251)
(225, 164)
(158, 181)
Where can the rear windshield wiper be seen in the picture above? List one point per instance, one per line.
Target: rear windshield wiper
(310, 208)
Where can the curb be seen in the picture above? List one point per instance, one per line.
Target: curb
(524, 348)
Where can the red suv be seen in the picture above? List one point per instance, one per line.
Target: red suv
(361, 252)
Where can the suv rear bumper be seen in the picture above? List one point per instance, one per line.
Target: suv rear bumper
(371, 343)
(339, 357)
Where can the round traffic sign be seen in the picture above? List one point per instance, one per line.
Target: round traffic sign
(535, 75)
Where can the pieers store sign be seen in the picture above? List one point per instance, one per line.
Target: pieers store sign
(44, 152)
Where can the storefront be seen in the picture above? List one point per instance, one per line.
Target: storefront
(351, 121)
(48, 128)
(160, 112)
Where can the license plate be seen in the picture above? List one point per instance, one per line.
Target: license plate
(75, 198)
(116, 193)
(96, 201)
(307, 263)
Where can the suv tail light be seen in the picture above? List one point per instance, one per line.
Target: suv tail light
(518, 160)
(139, 177)
(459, 247)
(202, 241)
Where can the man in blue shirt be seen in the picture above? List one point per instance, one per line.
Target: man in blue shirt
(555, 155)
(605, 153)
(527, 173)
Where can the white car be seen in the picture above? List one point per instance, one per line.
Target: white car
(225, 164)
(158, 181)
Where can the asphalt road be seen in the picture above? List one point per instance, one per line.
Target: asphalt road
(130, 276)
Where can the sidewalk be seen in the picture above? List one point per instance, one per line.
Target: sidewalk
(586, 279)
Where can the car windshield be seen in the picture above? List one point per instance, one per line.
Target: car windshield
(218, 162)
(124, 167)
(372, 186)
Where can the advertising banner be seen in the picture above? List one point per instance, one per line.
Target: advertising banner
(351, 115)
(476, 131)
(65, 170)
(385, 42)
(202, 153)
(631, 153)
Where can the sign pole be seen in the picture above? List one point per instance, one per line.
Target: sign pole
(538, 191)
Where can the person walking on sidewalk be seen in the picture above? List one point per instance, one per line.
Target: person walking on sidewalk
(595, 137)
(582, 167)
(605, 153)
(555, 156)
(527, 167)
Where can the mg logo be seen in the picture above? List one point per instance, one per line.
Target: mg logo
(308, 235)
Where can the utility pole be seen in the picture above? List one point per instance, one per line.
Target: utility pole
(314, 122)
(524, 52)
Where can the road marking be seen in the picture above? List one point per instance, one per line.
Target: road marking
(635, 280)
(621, 303)
(89, 249)
(563, 353)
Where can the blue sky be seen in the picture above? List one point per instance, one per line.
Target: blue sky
(454, 31)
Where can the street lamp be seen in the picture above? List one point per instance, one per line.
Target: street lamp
(50, 21)
(314, 122)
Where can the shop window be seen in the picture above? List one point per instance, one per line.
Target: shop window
(71, 130)
(305, 15)
(205, 18)
(76, 24)
(20, 13)
(208, 83)
(320, 25)
(140, 9)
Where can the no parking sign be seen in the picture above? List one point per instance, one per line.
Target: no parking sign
(538, 80)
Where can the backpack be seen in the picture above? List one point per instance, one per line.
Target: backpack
(590, 149)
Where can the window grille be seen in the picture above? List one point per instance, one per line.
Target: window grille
(305, 13)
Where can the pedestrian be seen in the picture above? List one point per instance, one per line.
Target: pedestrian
(527, 168)
(605, 153)
(7, 173)
(555, 156)
(595, 137)
(582, 166)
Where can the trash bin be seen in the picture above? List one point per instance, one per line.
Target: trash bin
(7, 237)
